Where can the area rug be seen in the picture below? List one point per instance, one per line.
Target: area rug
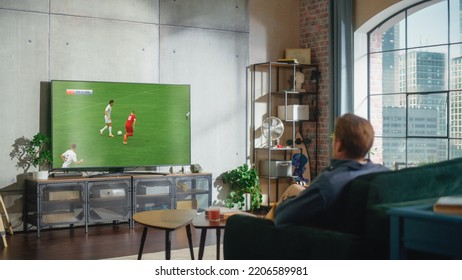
(210, 253)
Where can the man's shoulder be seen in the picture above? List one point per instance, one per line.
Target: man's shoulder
(377, 166)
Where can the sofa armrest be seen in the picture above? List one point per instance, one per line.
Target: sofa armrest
(251, 238)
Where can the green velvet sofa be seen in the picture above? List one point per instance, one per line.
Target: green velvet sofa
(363, 230)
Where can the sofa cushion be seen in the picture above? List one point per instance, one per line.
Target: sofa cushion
(414, 183)
(409, 184)
(252, 238)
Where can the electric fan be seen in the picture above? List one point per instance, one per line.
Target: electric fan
(272, 129)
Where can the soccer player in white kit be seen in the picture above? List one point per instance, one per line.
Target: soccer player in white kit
(107, 119)
(70, 157)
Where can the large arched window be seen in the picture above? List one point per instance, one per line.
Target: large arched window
(414, 90)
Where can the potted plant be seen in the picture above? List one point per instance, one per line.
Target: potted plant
(243, 180)
(32, 152)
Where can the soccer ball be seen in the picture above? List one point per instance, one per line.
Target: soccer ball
(119, 132)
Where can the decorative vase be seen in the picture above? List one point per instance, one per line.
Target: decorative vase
(40, 175)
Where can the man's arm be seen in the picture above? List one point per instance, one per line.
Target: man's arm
(300, 209)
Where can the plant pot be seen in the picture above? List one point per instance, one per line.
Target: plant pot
(246, 202)
(40, 175)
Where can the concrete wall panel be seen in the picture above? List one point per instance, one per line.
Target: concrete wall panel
(24, 64)
(274, 27)
(103, 50)
(135, 10)
(223, 14)
(215, 69)
(204, 43)
(25, 5)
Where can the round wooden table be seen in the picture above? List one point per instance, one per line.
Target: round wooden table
(168, 220)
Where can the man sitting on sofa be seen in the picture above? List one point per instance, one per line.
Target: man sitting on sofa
(320, 203)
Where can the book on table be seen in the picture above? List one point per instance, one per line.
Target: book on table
(449, 205)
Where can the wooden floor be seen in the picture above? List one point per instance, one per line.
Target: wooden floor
(101, 241)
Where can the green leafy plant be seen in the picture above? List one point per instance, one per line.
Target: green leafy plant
(31, 152)
(242, 180)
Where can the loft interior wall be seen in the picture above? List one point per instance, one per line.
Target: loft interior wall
(215, 68)
(204, 43)
(134, 41)
(368, 15)
(274, 27)
(366, 9)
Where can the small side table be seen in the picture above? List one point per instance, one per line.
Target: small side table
(168, 220)
(202, 222)
(419, 228)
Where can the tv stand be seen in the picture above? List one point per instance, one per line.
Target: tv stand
(127, 173)
(109, 198)
(146, 172)
(66, 174)
(110, 174)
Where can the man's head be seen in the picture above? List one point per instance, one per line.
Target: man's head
(353, 137)
(73, 146)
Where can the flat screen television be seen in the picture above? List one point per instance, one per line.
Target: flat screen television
(162, 134)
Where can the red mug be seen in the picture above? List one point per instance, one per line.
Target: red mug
(214, 214)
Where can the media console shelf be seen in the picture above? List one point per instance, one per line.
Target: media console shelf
(88, 201)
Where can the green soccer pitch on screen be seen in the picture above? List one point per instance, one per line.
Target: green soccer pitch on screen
(161, 134)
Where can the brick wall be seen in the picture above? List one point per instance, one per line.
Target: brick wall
(314, 34)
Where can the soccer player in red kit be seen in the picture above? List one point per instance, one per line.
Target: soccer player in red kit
(129, 126)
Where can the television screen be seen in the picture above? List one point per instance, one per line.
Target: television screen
(161, 130)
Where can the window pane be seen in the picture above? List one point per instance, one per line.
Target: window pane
(456, 66)
(427, 115)
(455, 114)
(386, 73)
(394, 121)
(424, 27)
(387, 117)
(389, 151)
(455, 149)
(390, 35)
(455, 24)
(426, 69)
(424, 151)
(376, 114)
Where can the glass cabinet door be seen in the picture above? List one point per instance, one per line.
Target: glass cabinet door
(62, 203)
(109, 201)
(152, 194)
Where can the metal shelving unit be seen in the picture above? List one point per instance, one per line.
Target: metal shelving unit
(274, 84)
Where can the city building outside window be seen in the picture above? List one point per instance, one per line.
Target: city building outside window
(415, 85)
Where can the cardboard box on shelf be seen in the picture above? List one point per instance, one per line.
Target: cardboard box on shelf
(294, 112)
(303, 56)
(63, 195)
(186, 204)
(277, 168)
